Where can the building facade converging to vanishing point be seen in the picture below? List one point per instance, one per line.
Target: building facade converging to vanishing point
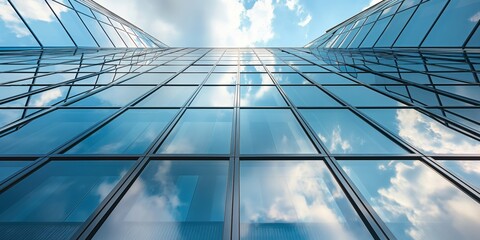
(371, 131)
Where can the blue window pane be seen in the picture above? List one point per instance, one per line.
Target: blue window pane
(50, 131)
(113, 35)
(467, 170)
(260, 96)
(43, 23)
(222, 78)
(455, 24)
(295, 200)
(116, 96)
(74, 25)
(360, 35)
(414, 201)
(149, 78)
(97, 31)
(255, 78)
(362, 96)
(188, 78)
(328, 78)
(221, 96)
(423, 132)
(419, 24)
(14, 32)
(373, 35)
(54, 201)
(343, 132)
(394, 28)
(272, 131)
(130, 133)
(8, 168)
(309, 96)
(171, 200)
(290, 78)
(168, 96)
(200, 131)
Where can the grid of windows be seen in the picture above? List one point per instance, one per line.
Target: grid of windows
(67, 23)
(239, 143)
(407, 23)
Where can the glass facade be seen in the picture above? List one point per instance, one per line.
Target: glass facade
(365, 133)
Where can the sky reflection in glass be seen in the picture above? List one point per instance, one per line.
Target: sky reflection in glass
(414, 201)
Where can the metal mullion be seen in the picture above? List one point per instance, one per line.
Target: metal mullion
(63, 26)
(371, 220)
(24, 113)
(434, 22)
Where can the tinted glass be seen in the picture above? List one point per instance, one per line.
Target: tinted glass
(222, 78)
(168, 96)
(116, 96)
(362, 96)
(251, 96)
(188, 78)
(272, 131)
(309, 97)
(14, 32)
(294, 200)
(8, 168)
(200, 131)
(290, 78)
(48, 132)
(414, 201)
(466, 170)
(221, 96)
(171, 200)
(54, 201)
(345, 133)
(255, 78)
(130, 133)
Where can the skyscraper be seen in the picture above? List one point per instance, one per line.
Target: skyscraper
(369, 131)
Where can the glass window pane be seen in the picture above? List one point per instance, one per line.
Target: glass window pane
(149, 78)
(362, 96)
(171, 200)
(255, 78)
(394, 28)
(414, 201)
(221, 96)
(309, 96)
(419, 24)
(373, 35)
(54, 201)
(74, 25)
(260, 96)
(48, 132)
(290, 78)
(43, 23)
(168, 96)
(423, 132)
(97, 31)
(272, 131)
(328, 78)
(116, 96)
(8, 168)
(222, 78)
(188, 78)
(130, 133)
(455, 24)
(14, 32)
(294, 200)
(467, 170)
(201, 131)
(343, 132)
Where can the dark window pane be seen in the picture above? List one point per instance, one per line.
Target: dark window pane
(414, 201)
(8, 168)
(48, 132)
(344, 132)
(201, 131)
(171, 200)
(294, 200)
(272, 131)
(130, 133)
(54, 201)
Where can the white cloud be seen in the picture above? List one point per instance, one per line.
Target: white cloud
(305, 21)
(46, 97)
(291, 4)
(475, 18)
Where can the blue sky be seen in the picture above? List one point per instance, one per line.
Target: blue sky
(236, 23)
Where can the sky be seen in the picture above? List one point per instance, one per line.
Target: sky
(236, 23)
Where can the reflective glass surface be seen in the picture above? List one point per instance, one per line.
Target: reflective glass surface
(255, 78)
(423, 132)
(50, 131)
(294, 200)
(7, 168)
(467, 170)
(218, 96)
(138, 128)
(414, 201)
(328, 78)
(345, 133)
(53, 202)
(222, 78)
(272, 131)
(362, 96)
(309, 96)
(251, 96)
(116, 96)
(171, 200)
(14, 32)
(290, 78)
(188, 78)
(168, 96)
(200, 131)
